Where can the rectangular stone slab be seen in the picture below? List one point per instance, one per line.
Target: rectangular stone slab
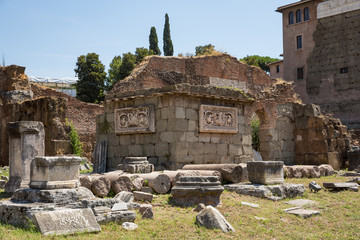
(340, 185)
(67, 221)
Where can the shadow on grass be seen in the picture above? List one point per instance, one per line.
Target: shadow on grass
(5, 196)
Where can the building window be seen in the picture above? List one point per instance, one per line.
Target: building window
(299, 42)
(298, 16)
(344, 70)
(277, 68)
(291, 18)
(306, 14)
(300, 74)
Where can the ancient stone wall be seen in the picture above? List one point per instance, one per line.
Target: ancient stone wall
(334, 72)
(188, 127)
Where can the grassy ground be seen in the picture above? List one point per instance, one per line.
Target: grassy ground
(339, 219)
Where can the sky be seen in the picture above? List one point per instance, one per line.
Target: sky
(47, 36)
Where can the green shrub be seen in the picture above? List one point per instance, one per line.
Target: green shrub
(75, 143)
(255, 126)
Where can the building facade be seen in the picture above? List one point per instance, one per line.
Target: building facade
(321, 44)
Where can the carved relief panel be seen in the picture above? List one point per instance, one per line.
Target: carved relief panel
(216, 119)
(135, 120)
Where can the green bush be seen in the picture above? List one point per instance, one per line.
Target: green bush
(255, 126)
(74, 140)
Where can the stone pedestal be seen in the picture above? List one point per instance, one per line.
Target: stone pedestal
(55, 172)
(136, 165)
(266, 172)
(26, 141)
(354, 159)
(192, 190)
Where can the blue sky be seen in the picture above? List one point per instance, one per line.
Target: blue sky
(47, 36)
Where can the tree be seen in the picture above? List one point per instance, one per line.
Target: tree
(168, 46)
(205, 50)
(153, 42)
(141, 53)
(113, 72)
(91, 74)
(128, 64)
(259, 61)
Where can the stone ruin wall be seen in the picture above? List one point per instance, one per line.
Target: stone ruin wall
(17, 104)
(176, 139)
(337, 45)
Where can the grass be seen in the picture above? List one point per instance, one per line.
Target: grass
(339, 219)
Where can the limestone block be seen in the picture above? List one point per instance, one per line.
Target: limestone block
(221, 149)
(162, 149)
(135, 120)
(191, 114)
(196, 148)
(149, 150)
(118, 217)
(143, 196)
(235, 149)
(146, 211)
(69, 221)
(55, 172)
(266, 172)
(301, 122)
(180, 112)
(179, 149)
(26, 141)
(136, 150)
(354, 159)
(217, 119)
(161, 125)
(192, 190)
(177, 124)
(204, 137)
(210, 217)
(192, 126)
(209, 148)
(167, 137)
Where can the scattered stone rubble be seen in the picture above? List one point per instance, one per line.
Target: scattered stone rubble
(210, 217)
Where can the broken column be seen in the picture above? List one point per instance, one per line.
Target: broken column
(192, 190)
(266, 172)
(26, 141)
(136, 165)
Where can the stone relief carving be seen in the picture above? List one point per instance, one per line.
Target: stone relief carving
(216, 119)
(135, 120)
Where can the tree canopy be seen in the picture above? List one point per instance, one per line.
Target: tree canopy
(141, 53)
(205, 50)
(168, 46)
(259, 61)
(113, 72)
(91, 74)
(154, 42)
(128, 64)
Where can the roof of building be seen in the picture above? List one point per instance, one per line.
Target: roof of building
(280, 9)
(272, 63)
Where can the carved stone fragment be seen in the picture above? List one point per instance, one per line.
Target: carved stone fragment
(135, 120)
(217, 119)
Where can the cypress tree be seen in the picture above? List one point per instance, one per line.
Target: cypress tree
(153, 41)
(168, 46)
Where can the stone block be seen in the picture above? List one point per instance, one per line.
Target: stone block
(192, 126)
(55, 172)
(177, 125)
(247, 150)
(162, 149)
(167, 137)
(161, 125)
(146, 211)
(26, 141)
(135, 120)
(120, 206)
(179, 149)
(118, 217)
(319, 146)
(69, 221)
(192, 114)
(136, 150)
(143, 196)
(192, 190)
(196, 148)
(333, 159)
(204, 137)
(209, 148)
(222, 149)
(149, 150)
(210, 217)
(246, 140)
(312, 110)
(180, 112)
(301, 122)
(266, 172)
(315, 122)
(354, 159)
(217, 119)
(235, 149)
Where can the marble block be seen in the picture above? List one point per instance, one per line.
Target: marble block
(266, 172)
(55, 172)
(192, 190)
